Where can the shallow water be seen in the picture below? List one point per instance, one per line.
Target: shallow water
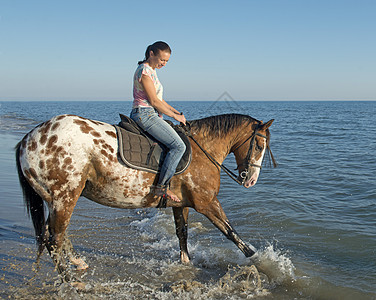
(312, 218)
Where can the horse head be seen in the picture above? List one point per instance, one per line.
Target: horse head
(249, 152)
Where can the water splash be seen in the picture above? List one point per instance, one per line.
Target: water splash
(244, 280)
(275, 264)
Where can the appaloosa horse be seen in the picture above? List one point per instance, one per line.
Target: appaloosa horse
(69, 156)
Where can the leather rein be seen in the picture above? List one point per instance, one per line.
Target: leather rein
(246, 162)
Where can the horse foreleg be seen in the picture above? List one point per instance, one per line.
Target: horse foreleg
(217, 216)
(181, 224)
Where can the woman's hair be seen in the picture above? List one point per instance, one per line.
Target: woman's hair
(156, 48)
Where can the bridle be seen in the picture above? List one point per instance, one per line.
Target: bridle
(244, 174)
(247, 161)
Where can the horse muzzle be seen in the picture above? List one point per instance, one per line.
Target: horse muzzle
(251, 182)
(246, 180)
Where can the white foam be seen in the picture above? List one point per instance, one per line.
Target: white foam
(275, 264)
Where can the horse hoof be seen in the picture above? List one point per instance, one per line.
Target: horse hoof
(80, 286)
(79, 263)
(82, 267)
(184, 258)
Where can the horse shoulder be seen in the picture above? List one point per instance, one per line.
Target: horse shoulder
(202, 178)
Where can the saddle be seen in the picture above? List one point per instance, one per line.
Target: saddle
(139, 150)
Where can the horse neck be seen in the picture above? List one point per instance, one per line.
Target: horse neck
(219, 145)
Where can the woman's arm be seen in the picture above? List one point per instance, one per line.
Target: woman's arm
(171, 108)
(159, 105)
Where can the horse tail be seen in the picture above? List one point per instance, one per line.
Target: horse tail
(33, 202)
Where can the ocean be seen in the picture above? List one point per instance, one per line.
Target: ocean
(312, 219)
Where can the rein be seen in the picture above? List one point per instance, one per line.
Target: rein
(231, 174)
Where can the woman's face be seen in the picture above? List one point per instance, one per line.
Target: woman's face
(159, 59)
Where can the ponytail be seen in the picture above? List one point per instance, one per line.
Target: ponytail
(147, 55)
(156, 48)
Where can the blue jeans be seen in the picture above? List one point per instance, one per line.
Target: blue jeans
(148, 119)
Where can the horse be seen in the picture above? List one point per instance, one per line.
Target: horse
(70, 156)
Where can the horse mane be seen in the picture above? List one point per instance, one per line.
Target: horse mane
(220, 125)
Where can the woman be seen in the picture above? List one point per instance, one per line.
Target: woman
(148, 108)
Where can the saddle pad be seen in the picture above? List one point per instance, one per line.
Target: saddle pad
(139, 151)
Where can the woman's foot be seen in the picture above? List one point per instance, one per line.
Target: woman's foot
(172, 196)
(163, 192)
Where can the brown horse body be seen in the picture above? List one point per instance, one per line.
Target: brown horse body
(69, 156)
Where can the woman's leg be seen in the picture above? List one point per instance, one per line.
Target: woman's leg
(173, 157)
(149, 120)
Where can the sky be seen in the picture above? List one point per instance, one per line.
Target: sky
(254, 50)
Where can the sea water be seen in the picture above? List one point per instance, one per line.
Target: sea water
(312, 219)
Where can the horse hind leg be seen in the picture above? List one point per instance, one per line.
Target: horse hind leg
(69, 252)
(73, 256)
(61, 202)
(58, 245)
(54, 245)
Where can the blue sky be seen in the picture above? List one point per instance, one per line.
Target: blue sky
(254, 50)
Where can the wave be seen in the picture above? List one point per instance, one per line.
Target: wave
(15, 123)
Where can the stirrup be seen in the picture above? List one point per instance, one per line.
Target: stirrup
(161, 192)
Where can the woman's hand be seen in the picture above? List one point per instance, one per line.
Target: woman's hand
(180, 118)
(159, 104)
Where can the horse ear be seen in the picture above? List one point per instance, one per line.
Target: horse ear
(266, 125)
